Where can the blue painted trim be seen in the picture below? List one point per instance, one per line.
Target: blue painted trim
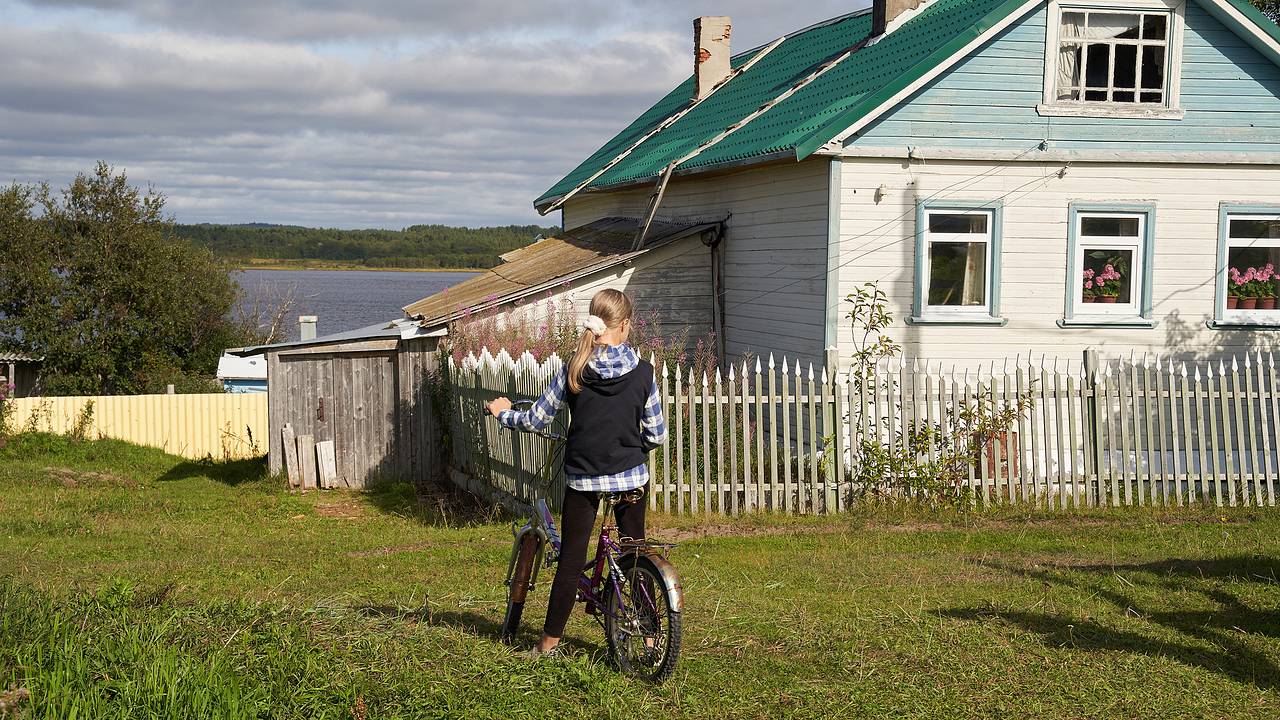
(1225, 210)
(834, 188)
(1073, 272)
(996, 208)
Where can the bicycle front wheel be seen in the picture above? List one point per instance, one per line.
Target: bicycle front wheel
(518, 587)
(642, 623)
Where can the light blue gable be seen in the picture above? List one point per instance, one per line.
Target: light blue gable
(1230, 92)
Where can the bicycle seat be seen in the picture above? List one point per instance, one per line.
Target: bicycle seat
(625, 497)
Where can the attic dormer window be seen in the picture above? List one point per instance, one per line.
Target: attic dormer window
(1113, 61)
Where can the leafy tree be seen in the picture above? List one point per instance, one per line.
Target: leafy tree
(94, 280)
(1270, 8)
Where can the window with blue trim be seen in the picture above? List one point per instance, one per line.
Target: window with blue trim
(957, 263)
(1109, 265)
(1252, 257)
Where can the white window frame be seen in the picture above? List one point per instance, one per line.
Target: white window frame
(987, 238)
(1137, 272)
(1237, 316)
(1172, 107)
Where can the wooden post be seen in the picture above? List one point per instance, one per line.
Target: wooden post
(1090, 419)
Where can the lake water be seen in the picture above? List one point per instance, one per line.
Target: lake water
(346, 299)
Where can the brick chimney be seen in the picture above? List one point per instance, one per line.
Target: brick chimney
(710, 52)
(884, 12)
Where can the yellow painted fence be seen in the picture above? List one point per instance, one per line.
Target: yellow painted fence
(221, 426)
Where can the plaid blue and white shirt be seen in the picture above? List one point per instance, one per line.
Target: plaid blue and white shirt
(609, 361)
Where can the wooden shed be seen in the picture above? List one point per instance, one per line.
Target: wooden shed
(23, 371)
(365, 390)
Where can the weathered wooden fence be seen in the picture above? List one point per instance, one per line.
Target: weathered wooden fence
(222, 426)
(784, 437)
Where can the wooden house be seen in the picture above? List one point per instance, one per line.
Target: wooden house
(979, 160)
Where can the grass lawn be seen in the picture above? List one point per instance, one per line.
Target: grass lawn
(136, 584)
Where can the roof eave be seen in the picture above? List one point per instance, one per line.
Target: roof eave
(772, 157)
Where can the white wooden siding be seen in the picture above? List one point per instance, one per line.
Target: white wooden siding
(878, 245)
(775, 247)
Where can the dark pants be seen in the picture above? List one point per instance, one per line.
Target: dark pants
(577, 520)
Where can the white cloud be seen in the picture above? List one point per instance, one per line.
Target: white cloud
(267, 111)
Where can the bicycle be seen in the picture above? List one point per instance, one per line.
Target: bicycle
(620, 585)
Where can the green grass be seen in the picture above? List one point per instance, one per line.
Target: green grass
(135, 584)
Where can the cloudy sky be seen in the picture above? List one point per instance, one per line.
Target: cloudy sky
(380, 113)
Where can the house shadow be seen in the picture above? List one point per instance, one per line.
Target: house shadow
(227, 472)
(1221, 640)
(485, 627)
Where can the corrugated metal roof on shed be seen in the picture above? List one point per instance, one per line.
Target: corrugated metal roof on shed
(19, 357)
(591, 248)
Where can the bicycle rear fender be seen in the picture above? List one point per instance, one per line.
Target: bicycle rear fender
(670, 582)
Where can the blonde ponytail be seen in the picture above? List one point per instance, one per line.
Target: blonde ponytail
(609, 308)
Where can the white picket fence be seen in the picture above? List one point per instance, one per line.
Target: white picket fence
(780, 436)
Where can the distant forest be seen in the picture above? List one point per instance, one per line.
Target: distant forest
(418, 246)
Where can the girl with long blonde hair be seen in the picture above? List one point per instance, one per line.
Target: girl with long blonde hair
(615, 420)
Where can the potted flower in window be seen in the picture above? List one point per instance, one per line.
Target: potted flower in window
(1266, 287)
(1106, 284)
(1089, 294)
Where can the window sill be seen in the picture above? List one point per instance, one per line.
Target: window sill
(957, 320)
(1240, 325)
(1108, 322)
(1110, 111)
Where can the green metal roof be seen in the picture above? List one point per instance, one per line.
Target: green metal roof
(816, 112)
(878, 69)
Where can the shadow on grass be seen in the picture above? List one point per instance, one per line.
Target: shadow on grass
(435, 505)
(1222, 640)
(228, 472)
(482, 626)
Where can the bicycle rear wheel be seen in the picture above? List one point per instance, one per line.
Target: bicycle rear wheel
(518, 587)
(644, 631)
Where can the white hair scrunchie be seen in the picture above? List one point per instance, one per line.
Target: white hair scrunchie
(595, 324)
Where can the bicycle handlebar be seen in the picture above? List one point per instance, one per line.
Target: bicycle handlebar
(524, 404)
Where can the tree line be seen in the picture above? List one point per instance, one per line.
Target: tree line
(1270, 8)
(417, 246)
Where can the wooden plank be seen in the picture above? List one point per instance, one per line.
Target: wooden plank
(721, 480)
(773, 503)
(735, 407)
(1273, 394)
(292, 468)
(1236, 447)
(1071, 476)
(307, 460)
(707, 451)
(1163, 411)
(673, 437)
(691, 389)
(833, 402)
(1035, 464)
(363, 346)
(678, 471)
(815, 491)
(999, 445)
(1254, 491)
(758, 500)
(1109, 421)
(1228, 442)
(1149, 422)
(1124, 392)
(326, 464)
(1212, 397)
(787, 424)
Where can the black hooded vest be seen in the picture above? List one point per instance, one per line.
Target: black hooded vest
(604, 424)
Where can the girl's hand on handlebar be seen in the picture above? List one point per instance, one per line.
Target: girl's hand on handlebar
(498, 406)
